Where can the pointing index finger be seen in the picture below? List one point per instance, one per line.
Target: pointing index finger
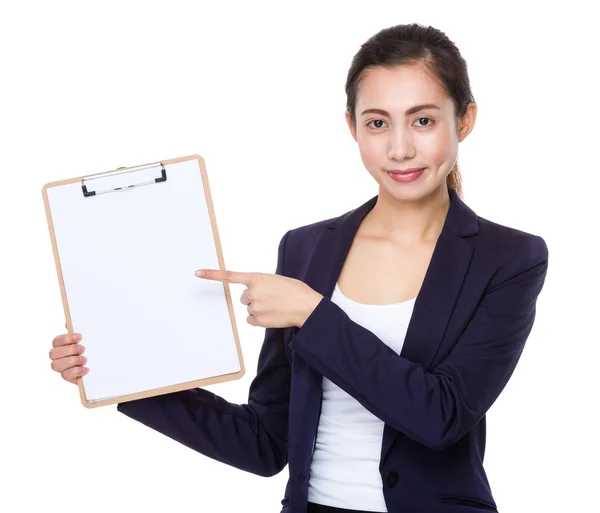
(225, 275)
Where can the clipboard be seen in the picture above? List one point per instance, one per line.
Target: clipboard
(126, 243)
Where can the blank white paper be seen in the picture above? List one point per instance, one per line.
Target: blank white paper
(128, 260)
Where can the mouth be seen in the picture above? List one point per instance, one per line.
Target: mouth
(407, 175)
(404, 171)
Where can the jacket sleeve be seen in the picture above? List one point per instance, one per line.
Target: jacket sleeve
(250, 437)
(433, 408)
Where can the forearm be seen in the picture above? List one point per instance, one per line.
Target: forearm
(230, 433)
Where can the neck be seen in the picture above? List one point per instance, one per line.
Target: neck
(410, 223)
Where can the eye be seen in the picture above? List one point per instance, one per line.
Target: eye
(369, 123)
(427, 119)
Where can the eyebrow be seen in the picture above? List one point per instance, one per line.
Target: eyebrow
(410, 111)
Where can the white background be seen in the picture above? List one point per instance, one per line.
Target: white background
(257, 89)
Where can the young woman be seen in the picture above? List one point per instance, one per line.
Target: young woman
(390, 330)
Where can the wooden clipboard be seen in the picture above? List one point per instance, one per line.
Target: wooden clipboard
(115, 237)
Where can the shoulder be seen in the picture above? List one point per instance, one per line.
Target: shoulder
(510, 256)
(507, 242)
(302, 238)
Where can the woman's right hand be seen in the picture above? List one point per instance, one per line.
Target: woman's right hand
(67, 357)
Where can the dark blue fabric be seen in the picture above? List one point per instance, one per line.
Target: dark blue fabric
(471, 318)
(321, 508)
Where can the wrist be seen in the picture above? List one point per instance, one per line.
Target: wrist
(312, 301)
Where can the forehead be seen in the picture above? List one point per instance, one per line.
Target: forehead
(399, 88)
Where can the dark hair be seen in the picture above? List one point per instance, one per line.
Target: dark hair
(415, 44)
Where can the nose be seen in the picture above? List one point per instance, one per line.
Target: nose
(400, 145)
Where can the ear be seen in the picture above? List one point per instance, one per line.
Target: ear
(467, 121)
(350, 125)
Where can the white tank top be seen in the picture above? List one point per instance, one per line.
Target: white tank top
(345, 468)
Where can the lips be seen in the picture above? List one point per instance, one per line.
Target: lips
(405, 171)
(406, 177)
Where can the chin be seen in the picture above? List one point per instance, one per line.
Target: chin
(416, 190)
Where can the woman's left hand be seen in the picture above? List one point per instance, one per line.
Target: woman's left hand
(274, 301)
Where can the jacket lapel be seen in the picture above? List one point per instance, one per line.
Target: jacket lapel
(436, 298)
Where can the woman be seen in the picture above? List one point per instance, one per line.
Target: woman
(390, 330)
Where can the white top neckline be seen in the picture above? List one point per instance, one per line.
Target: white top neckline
(402, 303)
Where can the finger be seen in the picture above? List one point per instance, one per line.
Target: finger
(68, 338)
(72, 374)
(64, 364)
(226, 276)
(63, 351)
(245, 299)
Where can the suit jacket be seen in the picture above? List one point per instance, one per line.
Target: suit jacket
(470, 321)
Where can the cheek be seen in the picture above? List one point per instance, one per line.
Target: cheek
(372, 149)
(438, 149)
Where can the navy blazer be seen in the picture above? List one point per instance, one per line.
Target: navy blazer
(471, 318)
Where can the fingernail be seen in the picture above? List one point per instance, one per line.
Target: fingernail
(75, 338)
(199, 273)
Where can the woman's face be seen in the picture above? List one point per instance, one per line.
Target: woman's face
(390, 138)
